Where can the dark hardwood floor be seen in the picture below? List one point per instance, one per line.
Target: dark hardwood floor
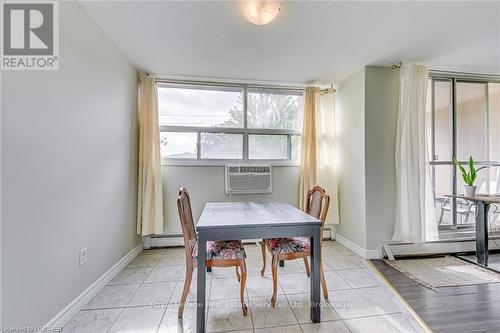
(450, 309)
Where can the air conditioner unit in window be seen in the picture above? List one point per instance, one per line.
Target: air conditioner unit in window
(246, 179)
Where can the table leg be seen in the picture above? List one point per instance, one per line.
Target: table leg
(315, 273)
(482, 233)
(282, 263)
(201, 283)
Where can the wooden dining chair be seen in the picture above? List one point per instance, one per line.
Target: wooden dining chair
(317, 205)
(219, 253)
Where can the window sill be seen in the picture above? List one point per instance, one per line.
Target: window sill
(180, 162)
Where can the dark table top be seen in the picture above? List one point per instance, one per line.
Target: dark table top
(253, 214)
(486, 198)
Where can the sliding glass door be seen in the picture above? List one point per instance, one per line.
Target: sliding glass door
(463, 119)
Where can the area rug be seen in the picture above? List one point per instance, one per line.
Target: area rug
(445, 271)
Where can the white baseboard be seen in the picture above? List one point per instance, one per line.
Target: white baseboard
(66, 314)
(363, 253)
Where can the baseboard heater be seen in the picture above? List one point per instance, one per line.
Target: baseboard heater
(395, 250)
(177, 239)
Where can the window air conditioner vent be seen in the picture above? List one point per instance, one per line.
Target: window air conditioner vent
(247, 179)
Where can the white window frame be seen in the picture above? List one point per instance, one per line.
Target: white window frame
(245, 131)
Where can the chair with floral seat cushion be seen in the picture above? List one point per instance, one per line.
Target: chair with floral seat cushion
(217, 250)
(288, 245)
(317, 205)
(219, 253)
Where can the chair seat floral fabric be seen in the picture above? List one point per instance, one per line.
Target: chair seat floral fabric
(288, 245)
(232, 249)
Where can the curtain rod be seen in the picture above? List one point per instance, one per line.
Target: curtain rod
(325, 91)
(166, 78)
(458, 75)
(229, 81)
(229, 84)
(398, 65)
(464, 76)
(322, 91)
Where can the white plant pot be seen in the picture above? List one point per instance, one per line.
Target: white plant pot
(470, 191)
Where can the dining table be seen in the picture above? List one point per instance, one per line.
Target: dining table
(483, 203)
(256, 220)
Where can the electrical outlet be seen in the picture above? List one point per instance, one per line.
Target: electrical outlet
(83, 256)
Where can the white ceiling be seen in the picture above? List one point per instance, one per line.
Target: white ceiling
(309, 41)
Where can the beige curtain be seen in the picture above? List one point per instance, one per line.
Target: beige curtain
(318, 149)
(308, 156)
(149, 187)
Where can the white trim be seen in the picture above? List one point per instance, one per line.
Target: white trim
(222, 162)
(372, 254)
(66, 314)
(363, 253)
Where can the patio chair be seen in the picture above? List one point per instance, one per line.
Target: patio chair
(446, 207)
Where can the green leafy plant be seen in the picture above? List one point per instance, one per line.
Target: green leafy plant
(468, 176)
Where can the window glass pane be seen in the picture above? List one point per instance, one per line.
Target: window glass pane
(276, 109)
(203, 106)
(178, 144)
(221, 145)
(267, 147)
(443, 135)
(442, 184)
(494, 115)
(471, 121)
(296, 141)
(465, 210)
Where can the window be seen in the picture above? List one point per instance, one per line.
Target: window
(462, 120)
(274, 109)
(221, 145)
(200, 106)
(178, 144)
(218, 123)
(267, 146)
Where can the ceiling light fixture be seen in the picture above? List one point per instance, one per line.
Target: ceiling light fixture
(260, 12)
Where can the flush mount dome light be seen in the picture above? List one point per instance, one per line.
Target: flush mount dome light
(260, 12)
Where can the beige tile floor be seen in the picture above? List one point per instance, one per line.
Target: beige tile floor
(144, 297)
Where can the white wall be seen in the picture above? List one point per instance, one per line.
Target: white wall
(350, 150)
(366, 116)
(381, 114)
(206, 183)
(68, 148)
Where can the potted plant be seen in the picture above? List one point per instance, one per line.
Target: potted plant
(469, 177)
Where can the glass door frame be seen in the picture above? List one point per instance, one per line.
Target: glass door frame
(454, 79)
